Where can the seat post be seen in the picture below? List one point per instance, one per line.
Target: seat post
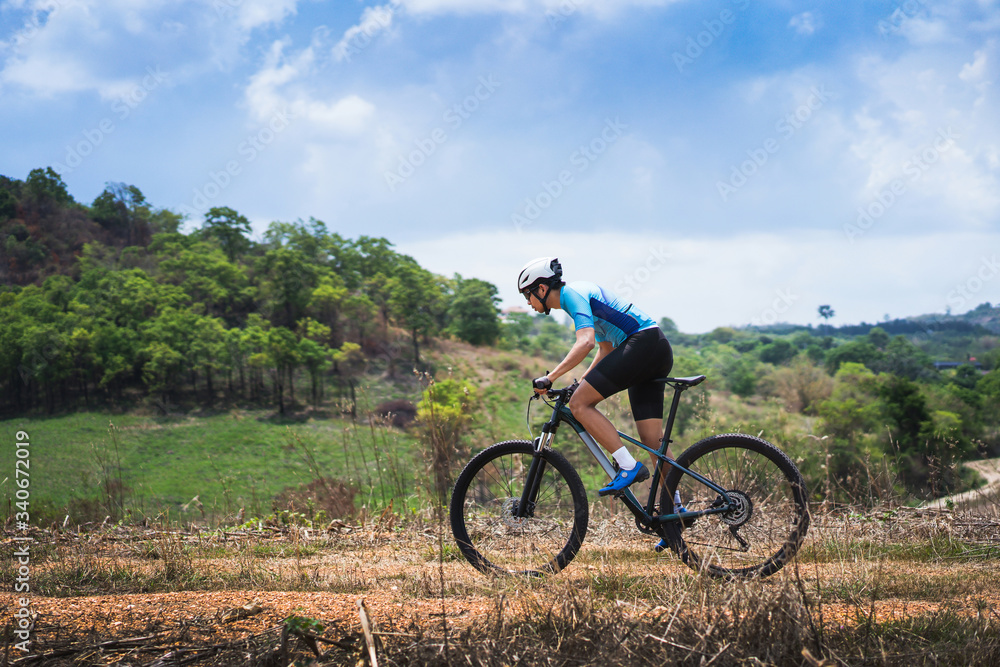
(665, 441)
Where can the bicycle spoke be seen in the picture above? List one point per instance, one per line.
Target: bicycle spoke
(768, 518)
(486, 505)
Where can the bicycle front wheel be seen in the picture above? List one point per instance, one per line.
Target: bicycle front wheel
(769, 518)
(498, 538)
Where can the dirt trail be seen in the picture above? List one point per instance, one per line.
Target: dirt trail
(863, 568)
(985, 495)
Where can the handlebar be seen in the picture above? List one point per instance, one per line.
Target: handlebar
(562, 395)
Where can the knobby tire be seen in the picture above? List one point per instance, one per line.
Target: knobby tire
(484, 505)
(770, 523)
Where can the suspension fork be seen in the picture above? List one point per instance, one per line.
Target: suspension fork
(536, 470)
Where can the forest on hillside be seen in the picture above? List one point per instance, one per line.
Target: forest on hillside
(110, 302)
(111, 305)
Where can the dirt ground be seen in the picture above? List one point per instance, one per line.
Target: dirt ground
(856, 569)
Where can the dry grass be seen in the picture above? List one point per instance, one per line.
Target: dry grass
(887, 587)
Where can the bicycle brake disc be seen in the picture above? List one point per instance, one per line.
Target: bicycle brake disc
(740, 512)
(508, 515)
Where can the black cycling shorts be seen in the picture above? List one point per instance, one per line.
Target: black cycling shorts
(642, 357)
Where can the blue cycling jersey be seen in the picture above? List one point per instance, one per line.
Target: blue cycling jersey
(612, 319)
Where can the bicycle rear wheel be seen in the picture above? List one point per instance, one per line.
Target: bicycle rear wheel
(765, 528)
(484, 508)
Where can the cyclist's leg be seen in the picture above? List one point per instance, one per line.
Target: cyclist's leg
(650, 432)
(646, 396)
(583, 404)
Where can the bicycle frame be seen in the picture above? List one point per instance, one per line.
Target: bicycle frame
(644, 515)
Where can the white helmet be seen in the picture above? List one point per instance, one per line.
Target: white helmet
(537, 271)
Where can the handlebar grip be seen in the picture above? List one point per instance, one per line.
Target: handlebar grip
(541, 383)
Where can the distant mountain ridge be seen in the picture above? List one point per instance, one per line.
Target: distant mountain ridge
(982, 320)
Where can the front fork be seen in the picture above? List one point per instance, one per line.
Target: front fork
(526, 505)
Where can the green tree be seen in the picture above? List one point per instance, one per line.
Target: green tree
(122, 210)
(741, 376)
(283, 358)
(288, 283)
(207, 349)
(8, 205)
(161, 370)
(853, 409)
(668, 327)
(473, 312)
(326, 303)
(205, 274)
(778, 352)
(231, 229)
(444, 416)
(349, 362)
(856, 351)
(414, 298)
(314, 354)
(907, 408)
(903, 358)
(45, 185)
(989, 386)
(515, 329)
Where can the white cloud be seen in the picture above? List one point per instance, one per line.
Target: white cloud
(908, 105)
(356, 38)
(805, 23)
(285, 83)
(96, 45)
(977, 71)
(708, 282)
(252, 14)
(599, 7)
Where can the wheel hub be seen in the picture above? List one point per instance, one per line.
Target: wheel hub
(509, 514)
(740, 512)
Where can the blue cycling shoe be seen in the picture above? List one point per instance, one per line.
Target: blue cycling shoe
(625, 478)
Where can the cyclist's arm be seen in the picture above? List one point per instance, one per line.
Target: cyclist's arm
(603, 348)
(585, 341)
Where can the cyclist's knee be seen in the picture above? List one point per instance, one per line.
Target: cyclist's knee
(584, 397)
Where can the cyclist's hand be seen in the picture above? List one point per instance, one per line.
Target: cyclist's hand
(542, 384)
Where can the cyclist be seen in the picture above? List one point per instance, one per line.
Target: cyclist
(631, 352)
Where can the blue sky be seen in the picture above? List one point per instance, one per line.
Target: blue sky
(721, 163)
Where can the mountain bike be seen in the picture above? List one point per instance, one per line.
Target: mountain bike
(520, 507)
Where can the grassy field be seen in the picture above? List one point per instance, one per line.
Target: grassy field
(241, 459)
(208, 465)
